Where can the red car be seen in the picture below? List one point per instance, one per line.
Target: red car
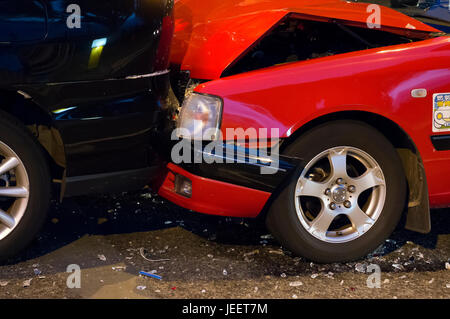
(354, 100)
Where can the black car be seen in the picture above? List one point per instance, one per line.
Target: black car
(84, 89)
(435, 13)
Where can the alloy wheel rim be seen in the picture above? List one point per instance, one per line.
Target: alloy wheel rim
(340, 201)
(14, 190)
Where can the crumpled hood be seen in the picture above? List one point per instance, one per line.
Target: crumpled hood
(211, 34)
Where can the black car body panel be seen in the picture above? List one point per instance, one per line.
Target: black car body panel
(433, 12)
(97, 93)
(128, 31)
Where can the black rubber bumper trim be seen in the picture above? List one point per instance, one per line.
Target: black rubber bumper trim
(441, 142)
(244, 173)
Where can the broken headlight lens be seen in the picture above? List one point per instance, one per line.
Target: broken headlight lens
(200, 117)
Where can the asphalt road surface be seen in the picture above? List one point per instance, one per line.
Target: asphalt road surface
(113, 238)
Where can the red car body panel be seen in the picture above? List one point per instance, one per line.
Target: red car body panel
(378, 81)
(211, 35)
(214, 197)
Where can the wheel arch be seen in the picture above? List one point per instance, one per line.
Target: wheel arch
(40, 124)
(418, 215)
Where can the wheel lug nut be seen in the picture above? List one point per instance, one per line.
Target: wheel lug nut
(328, 192)
(352, 189)
(347, 204)
(333, 206)
(340, 181)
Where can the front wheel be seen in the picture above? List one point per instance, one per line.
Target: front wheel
(24, 186)
(346, 200)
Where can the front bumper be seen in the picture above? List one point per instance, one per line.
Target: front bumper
(214, 197)
(236, 189)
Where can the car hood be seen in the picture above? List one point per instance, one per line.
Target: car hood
(210, 35)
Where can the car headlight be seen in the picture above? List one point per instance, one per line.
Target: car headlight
(200, 117)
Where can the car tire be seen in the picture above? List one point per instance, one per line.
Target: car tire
(299, 215)
(25, 186)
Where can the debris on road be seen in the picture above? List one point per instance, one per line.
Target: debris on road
(255, 252)
(278, 252)
(27, 283)
(296, 284)
(4, 283)
(141, 287)
(398, 267)
(143, 253)
(101, 257)
(225, 272)
(330, 275)
(447, 266)
(119, 268)
(146, 274)
(362, 268)
(146, 195)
